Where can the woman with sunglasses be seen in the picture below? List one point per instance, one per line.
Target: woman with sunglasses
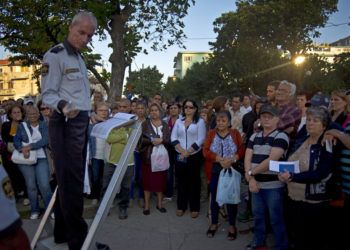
(45, 111)
(187, 137)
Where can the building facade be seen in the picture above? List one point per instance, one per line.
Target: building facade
(17, 81)
(185, 59)
(330, 50)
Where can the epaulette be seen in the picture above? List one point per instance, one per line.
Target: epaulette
(57, 49)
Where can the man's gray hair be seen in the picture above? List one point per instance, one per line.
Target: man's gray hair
(84, 15)
(292, 87)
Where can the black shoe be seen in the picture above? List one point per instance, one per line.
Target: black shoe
(146, 212)
(232, 236)
(60, 240)
(101, 246)
(211, 232)
(161, 209)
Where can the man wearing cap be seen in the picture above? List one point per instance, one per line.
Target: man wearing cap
(267, 190)
(66, 89)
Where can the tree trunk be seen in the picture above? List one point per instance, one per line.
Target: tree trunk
(117, 57)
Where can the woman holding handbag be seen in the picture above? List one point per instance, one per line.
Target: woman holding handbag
(223, 146)
(15, 114)
(155, 133)
(32, 136)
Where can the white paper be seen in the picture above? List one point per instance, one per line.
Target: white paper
(87, 188)
(281, 166)
(329, 146)
(102, 129)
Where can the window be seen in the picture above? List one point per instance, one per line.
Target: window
(188, 58)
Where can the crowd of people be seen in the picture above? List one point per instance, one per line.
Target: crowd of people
(244, 132)
(215, 146)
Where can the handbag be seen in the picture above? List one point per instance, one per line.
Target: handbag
(159, 158)
(229, 188)
(18, 157)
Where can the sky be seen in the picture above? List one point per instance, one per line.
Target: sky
(199, 25)
(199, 30)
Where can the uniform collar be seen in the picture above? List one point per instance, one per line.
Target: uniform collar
(70, 49)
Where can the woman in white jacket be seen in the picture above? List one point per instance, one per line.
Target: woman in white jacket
(187, 137)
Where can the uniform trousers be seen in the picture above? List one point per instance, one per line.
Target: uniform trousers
(68, 140)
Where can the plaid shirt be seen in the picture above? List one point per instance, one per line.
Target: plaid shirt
(290, 116)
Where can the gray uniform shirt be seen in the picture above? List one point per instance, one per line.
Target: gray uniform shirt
(64, 78)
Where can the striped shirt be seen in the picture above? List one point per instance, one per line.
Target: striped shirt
(262, 146)
(345, 165)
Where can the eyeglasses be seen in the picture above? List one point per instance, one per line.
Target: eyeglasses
(46, 108)
(189, 107)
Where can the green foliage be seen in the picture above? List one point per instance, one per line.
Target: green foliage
(252, 41)
(145, 82)
(29, 28)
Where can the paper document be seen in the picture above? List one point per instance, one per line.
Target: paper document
(281, 166)
(101, 130)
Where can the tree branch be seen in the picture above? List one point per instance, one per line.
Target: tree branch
(98, 77)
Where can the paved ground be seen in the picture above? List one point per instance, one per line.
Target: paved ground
(156, 231)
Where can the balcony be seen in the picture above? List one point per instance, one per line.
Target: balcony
(7, 92)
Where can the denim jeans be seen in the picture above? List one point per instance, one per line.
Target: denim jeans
(33, 175)
(271, 201)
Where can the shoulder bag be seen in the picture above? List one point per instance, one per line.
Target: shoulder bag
(18, 157)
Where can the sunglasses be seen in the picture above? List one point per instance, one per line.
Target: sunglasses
(189, 107)
(46, 108)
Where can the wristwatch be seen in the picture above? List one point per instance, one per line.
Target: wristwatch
(250, 173)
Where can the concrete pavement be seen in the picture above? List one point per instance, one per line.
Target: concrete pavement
(157, 231)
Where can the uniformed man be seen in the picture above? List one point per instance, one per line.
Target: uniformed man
(66, 89)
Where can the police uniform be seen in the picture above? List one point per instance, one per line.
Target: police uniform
(65, 80)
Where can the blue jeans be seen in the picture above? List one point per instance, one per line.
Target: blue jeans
(33, 175)
(271, 201)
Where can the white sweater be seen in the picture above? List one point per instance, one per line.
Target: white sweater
(193, 136)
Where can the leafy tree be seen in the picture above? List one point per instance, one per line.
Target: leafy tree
(257, 35)
(29, 28)
(341, 67)
(145, 82)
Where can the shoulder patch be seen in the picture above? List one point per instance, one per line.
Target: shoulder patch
(57, 49)
(44, 69)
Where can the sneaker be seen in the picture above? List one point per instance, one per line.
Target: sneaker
(52, 216)
(245, 216)
(34, 216)
(123, 214)
(167, 198)
(26, 202)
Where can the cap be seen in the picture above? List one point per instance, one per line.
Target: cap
(28, 100)
(268, 108)
(319, 99)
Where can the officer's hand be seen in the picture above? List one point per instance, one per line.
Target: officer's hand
(70, 113)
